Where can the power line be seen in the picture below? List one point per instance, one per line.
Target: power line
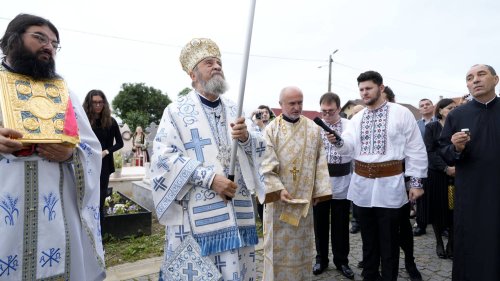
(252, 55)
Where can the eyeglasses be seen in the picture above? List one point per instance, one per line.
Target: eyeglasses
(97, 103)
(328, 112)
(44, 40)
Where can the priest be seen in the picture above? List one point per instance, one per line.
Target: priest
(470, 139)
(296, 178)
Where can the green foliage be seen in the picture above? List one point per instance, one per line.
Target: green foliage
(139, 105)
(184, 92)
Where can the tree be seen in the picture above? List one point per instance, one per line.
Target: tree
(139, 105)
(184, 92)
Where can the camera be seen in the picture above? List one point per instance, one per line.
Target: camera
(258, 115)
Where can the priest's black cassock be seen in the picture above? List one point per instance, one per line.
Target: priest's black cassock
(477, 182)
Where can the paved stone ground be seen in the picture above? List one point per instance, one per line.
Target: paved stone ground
(431, 267)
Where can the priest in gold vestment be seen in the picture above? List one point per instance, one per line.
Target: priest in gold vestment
(295, 176)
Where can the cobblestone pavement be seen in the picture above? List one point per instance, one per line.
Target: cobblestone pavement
(431, 267)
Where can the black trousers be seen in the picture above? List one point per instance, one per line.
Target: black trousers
(338, 212)
(406, 233)
(422, 214)
(380, 235)
(104, 190)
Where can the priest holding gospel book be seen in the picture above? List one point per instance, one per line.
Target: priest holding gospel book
(49, 163)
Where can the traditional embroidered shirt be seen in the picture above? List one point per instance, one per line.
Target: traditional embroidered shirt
(50, 227)
(296, 161)
(339, 185)
(384, 134)
(193, 145)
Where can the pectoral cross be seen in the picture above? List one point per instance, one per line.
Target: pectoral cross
(294, 172)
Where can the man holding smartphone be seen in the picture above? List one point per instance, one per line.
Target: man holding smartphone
(470, 139)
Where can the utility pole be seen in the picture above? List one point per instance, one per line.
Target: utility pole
(330, 61)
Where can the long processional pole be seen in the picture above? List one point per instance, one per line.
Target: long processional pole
(243, 81)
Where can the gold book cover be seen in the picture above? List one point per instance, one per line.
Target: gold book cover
(40, 110)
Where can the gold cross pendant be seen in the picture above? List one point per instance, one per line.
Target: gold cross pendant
(294, 172)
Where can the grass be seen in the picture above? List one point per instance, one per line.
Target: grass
(131, 249)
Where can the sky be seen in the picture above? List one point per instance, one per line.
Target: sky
(423, 49)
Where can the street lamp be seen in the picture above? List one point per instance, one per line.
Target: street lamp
(330, 61)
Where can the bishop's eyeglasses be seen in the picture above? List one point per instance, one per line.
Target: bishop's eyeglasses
(44, 40)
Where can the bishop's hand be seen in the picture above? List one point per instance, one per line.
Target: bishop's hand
(8, 144)
(224, 187)
(239, 130)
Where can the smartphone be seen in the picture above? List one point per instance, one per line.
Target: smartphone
(466, 130)
(258, 115)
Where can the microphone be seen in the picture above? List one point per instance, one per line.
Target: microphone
(322, 124)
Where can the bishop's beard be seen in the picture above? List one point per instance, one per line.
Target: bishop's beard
(25, 62)
(216, 85)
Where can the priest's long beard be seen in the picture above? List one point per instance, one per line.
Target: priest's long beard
(216, 85)
(25, 62)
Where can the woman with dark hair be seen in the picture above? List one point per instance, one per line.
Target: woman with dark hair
(438, 178)
(107, 131)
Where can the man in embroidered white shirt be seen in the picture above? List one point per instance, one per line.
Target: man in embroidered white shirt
(379, 138)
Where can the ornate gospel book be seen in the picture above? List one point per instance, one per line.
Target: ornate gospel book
(41, 110)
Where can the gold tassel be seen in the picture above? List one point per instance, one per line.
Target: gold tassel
(451, 196)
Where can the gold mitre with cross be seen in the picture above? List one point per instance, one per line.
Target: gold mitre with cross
(195, 51)
(40, 110)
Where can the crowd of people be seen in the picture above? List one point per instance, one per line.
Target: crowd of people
(304, 176)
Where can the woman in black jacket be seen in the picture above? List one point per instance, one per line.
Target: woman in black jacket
(438, 178)
(107, 131)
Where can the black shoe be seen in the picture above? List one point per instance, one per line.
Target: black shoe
(361, 264)
(419, 231)
(413, 272)
(318, 268)
(355, 228)
(346, 271)
(440, 251)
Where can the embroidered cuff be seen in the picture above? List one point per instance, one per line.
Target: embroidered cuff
(415, 182)
(247, 145)
(202, 177)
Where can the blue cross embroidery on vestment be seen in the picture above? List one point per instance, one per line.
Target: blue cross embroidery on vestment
(180, 159)
(7, 266)
(197, 144)
(163, 163)
(50, 202)
(158, 183)
(181, 234)
(219, 263)
(52, 256)
(260, 149)
(9, 205)
(190, 272)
